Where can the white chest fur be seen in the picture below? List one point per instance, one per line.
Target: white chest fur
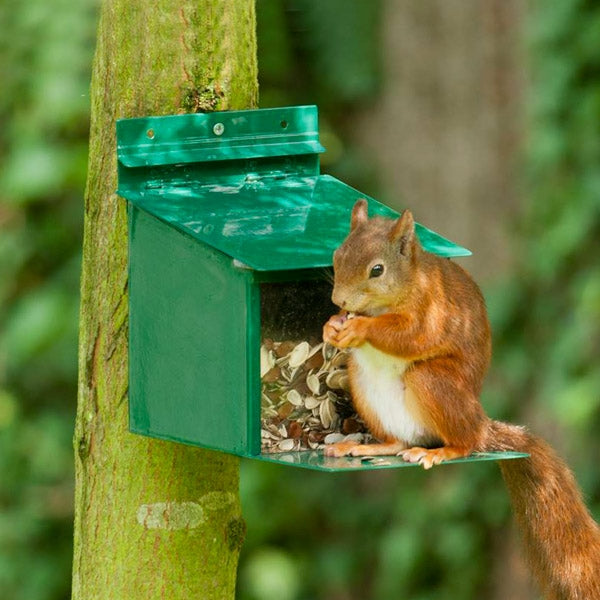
(381, 382)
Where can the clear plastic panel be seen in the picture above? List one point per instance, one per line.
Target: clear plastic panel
(305, 399)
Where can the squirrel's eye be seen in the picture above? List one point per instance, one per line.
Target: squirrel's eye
(376, 271)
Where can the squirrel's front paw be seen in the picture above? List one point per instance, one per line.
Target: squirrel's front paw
(332, 328)
(352, 333)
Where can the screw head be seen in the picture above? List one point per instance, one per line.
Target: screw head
(218, 128)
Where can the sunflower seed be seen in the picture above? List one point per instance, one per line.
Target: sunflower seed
(333, 438)
(267, 361)
(337, 380)
(328, 352)
(293, 397)
(305, 396)
(286, 445)
(298, 355)
(313, 383)
(354, 437)
(311, 402)
(340, 360)
(327, 413)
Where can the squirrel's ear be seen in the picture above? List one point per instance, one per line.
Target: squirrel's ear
(359, 214)
(403, 232)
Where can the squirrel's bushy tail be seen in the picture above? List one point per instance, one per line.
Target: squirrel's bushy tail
(561, 539)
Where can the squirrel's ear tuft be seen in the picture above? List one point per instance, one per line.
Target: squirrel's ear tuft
(403, 232)
(359, 214)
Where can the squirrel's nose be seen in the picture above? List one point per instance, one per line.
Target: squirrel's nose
(338, 300)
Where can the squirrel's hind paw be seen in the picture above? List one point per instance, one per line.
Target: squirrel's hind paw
(429, 458)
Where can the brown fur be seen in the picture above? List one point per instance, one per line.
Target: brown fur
(427, 311)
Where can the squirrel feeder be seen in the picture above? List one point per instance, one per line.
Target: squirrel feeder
(231, 229)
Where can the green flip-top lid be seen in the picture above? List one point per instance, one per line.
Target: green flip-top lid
(247, 183)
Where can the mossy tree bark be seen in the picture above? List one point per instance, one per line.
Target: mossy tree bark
(152, 519)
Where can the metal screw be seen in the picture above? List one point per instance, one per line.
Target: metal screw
(218, 129)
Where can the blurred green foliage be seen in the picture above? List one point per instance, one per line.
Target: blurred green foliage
(45, 59)
(310, 535)
(548, 314)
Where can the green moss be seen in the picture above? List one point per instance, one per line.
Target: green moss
(202, 100)
(235, 534)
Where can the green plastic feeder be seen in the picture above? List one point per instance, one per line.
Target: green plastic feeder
(231, 226)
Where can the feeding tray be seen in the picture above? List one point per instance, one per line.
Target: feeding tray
(231, 234)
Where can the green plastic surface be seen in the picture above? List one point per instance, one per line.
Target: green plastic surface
(263, 202)
(191, 348)
(217, 136)
(202, 190)
(273, 224)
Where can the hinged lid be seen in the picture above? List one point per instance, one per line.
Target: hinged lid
(247, 183)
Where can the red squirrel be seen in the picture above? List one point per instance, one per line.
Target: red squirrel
(420, 342)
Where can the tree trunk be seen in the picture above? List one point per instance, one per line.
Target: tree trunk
(447, 130)
(152, 519)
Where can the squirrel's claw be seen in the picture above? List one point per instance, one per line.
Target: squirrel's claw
(340, 449)
(429, 458)
(416, 455)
